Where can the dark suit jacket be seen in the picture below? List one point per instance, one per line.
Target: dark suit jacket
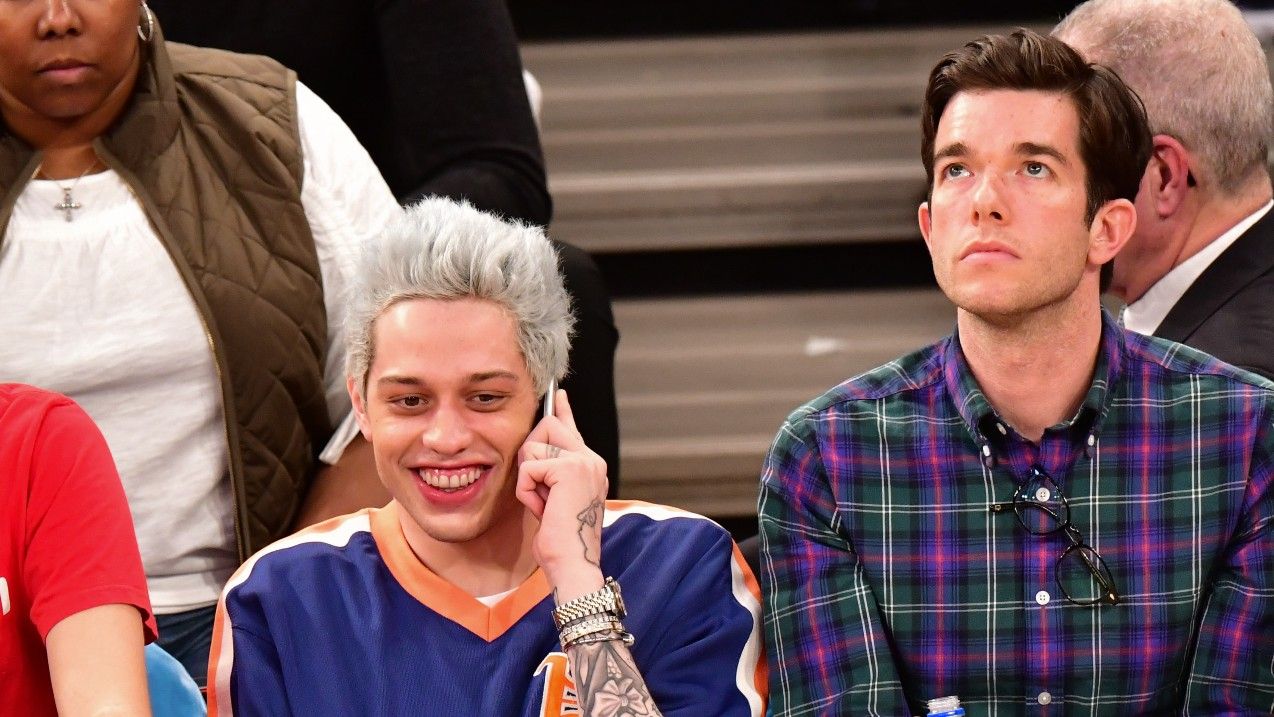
(1229, 310)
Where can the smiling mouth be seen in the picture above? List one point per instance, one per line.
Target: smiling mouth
(449, 481)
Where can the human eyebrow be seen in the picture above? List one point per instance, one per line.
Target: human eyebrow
(488, 375)
(956, 149)
(1031, 149)
(396, 380)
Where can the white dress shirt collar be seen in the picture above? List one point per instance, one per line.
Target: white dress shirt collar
(1145, 314)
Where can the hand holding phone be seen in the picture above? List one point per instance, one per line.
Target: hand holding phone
(563, 484)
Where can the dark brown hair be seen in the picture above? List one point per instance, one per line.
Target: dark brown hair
(1114, 136)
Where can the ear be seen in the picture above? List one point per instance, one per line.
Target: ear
(926, 221)
(360, 407)
(1167, 176)
(1111, 229)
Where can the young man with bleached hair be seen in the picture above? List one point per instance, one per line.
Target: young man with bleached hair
(1200, 267)
(498, 581)
(1044, 513)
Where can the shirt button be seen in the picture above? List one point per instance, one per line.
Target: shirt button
(1044, 698)
(1003, 431)
(1042, 494)
(1042, 597)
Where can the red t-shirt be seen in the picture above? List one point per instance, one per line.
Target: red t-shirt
(66, 537)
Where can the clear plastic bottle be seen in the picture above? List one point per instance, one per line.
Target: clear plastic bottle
(946, 707)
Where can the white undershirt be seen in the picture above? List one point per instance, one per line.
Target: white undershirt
(1146, 313)
(493, 600)
(95, 309)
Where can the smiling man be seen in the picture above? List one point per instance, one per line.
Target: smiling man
(491, 584)
(1042, 513)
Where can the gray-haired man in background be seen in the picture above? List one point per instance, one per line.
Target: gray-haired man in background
(1200, 267)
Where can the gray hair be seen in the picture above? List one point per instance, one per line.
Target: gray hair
(440, 249)
(1199, 69)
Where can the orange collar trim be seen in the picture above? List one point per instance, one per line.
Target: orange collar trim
(435, 593)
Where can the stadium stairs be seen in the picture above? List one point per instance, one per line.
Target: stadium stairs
(752, 201)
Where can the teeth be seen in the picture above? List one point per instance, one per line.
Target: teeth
(449, 480)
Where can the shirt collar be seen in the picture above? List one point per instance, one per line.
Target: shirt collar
(1146, 313)
(990, 431)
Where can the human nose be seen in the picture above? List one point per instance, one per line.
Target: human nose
(448, 431)
(988, 199)
(59, 18)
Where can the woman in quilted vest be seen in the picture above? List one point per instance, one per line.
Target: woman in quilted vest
(178, 229)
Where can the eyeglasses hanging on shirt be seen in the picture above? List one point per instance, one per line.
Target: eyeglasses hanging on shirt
(1042, 509)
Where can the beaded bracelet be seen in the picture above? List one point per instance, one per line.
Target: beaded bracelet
(621, 635)
(588, 627)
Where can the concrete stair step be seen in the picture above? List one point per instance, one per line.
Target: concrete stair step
(737, 145)
(889, 219)
(731, 102)
(695, 61)
(709, 207)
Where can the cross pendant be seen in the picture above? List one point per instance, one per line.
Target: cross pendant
(68, 205)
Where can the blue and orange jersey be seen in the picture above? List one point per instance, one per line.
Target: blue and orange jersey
(343, 619)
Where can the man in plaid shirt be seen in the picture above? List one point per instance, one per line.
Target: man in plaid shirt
(1043, 513)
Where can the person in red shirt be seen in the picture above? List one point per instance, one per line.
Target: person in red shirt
(74, 612)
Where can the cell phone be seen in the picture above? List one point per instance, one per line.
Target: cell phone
(548, 398)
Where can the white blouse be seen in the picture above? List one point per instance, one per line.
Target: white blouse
(94, 308)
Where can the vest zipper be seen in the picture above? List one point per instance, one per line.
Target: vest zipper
(236, 477)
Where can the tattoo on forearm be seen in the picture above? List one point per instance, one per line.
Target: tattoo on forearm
(588, 520)
(608, 682)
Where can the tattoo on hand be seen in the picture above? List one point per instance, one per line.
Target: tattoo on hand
(588, 520)
(608, 682)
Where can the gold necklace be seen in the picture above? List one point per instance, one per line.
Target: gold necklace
(68, 204)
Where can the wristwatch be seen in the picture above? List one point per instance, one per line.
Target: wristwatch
(606, 601)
